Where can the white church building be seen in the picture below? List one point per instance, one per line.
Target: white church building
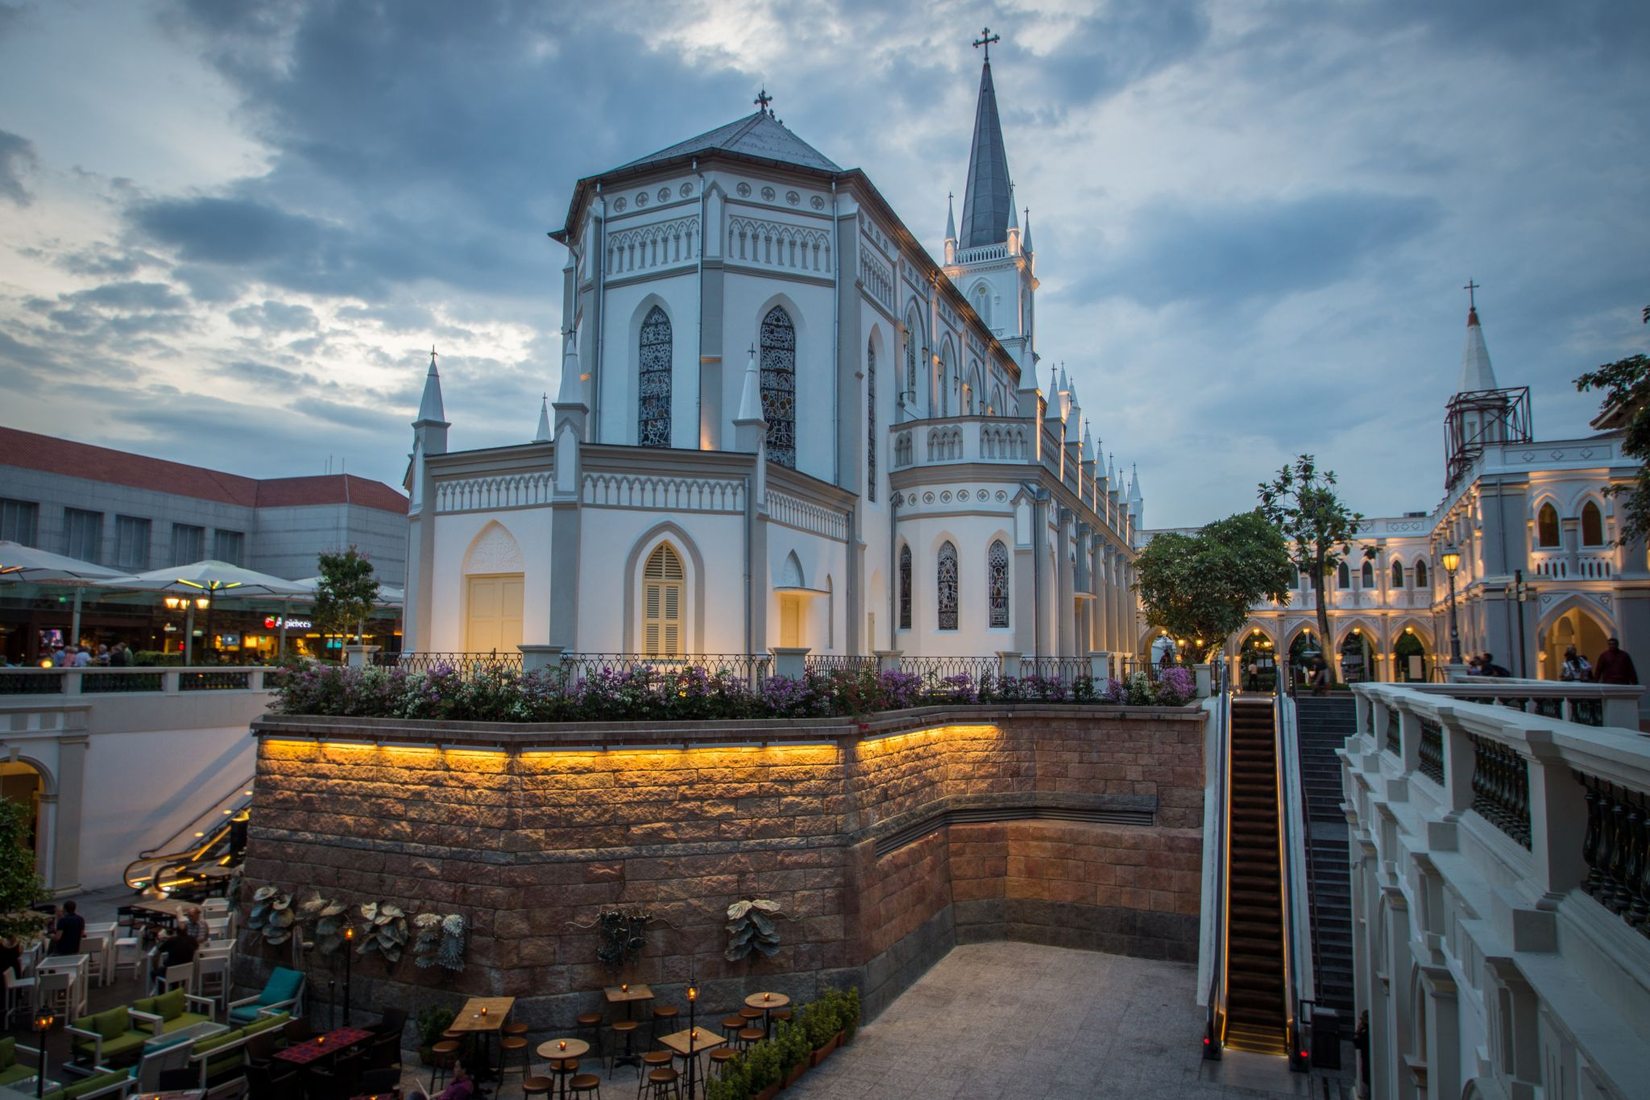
(781, 424)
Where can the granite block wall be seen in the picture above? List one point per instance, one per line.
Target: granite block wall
(884, 843)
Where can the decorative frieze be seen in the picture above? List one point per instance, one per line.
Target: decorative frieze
(677, 494)
(807, 516)
(478, 494)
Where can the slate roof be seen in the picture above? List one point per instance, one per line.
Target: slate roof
(988, 201)
(757, 135)
(51, 454)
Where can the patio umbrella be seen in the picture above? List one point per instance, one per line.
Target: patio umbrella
(212, 579)
(28, 563)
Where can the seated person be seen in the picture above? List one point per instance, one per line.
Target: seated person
(174, 950)
(461, 1087)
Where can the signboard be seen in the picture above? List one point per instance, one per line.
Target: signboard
(273, 622)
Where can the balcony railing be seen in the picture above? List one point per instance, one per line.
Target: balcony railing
(130, 681)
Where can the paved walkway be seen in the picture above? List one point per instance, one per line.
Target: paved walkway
(1014, 1019)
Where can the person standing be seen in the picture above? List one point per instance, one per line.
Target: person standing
(1575, 666)
(1614, 666)
(67, 931)
(1488, 667)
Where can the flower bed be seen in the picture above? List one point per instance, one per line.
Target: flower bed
(692, 694)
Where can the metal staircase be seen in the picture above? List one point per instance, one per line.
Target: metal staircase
(1325, 722)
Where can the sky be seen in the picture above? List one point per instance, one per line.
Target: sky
(230, 233)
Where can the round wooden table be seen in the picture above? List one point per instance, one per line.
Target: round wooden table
(556, 1051)
(767, 1002)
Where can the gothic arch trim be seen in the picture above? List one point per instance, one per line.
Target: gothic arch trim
(1577, 601)
(1370, 630)
(493, 550)
(1422, 631)
(694, 565)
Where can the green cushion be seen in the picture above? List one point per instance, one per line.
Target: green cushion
(115, 1050)
(15, 1072)
(147, 1005)
(169, 1006)
(264, 1023)
(91, 1084)
(8, 1052)
(187, 1019)
(111, 1024)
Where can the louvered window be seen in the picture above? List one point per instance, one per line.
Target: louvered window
(946, 576)
(779, 385)
(662, 583)
(996, 571)
(653, 381)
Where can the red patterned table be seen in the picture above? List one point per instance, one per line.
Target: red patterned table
(302, 1054)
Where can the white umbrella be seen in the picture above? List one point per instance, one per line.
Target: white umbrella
(213, 579)
(28, 563)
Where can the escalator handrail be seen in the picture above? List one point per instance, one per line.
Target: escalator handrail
(1292, 838)
(1214, 1036)
(211, 814)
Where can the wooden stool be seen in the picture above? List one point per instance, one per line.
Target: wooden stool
(509, 1045)
(719, 1059)
(585, 1083)
(751, 1013)
(663, 1014)
(537, 1086)
(652, 1060)
(517, 1028)
(442, 1056)
(627, 1028)
(733, 1024)
(749, 1037)
(660, 1081)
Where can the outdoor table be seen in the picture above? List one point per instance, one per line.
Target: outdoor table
(302, 1054)
(25, 1089)
(166, 907)
(77, 965)
(563, 1050)
(686, 1045)
(628, 997)
(483, 1016)
(767, 1002)
(202, 1030)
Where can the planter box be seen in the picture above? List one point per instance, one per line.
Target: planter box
(825, 1051)
(768, 1093)
(796, 1072)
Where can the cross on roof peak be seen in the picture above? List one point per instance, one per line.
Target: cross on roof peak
(986, 39)
(1472, 300)
(762, 100)
(432, 355)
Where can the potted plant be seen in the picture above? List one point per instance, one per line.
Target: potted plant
(819, 1019)
(850, 1014)
(763, 1071)
(432, 1023)
(794, 1049)
(732, 1084)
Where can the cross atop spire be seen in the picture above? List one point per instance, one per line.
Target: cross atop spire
(762, 100)
(432, 355)
(986, 39)
(1472, 301)
(987, 200)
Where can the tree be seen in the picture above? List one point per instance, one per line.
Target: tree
(347, 593)
(1202, 586)
(1626, 386)
(19, 884)
(1301, 502)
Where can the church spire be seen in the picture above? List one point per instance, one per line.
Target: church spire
(430, 410)
(543, 433)
(1476, 372)
(950, 217)
(1025, 241)
(987, 207)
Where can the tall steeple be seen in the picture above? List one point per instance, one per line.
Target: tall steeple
(987, 207)
(1476, 372)
(430, 409)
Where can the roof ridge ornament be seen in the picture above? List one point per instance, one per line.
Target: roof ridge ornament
(762, 100)
(986, 39)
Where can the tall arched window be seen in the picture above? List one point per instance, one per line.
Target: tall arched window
(1421, 574)
(662, 583)
(1546, 526)
(871, 422)
(779, 385)
(948, 378)
(1368, 575)
(1397, 573)
(945, 576)
(996, 574)
(1592, 525)
(653, 381)
(913, 337)
(1343, 576)
(905, 588)
(981, 301)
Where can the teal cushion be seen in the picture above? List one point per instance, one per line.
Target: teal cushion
(283, 985)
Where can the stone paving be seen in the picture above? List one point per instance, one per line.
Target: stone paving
(1020, 1020)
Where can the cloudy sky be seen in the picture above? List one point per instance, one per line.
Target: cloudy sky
(232, 231)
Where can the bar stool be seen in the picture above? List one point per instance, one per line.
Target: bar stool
(719, 1059)
(509, 1045)
(663, 1014)
(659, 1081)
(562, 1069)
(652, 1060)
(733, 1024)
(748, 1037)
(514, 1028)
(585, 1084)
(537, 1086)
(627, 1028)
(442, 1057)
(590, 1025)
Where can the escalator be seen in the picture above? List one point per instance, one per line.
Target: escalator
(1257, 996)
(193, 862)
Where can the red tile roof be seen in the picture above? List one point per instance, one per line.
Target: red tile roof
(50, 454)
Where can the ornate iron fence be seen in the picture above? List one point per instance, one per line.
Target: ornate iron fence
(465, 664)
(749, 668)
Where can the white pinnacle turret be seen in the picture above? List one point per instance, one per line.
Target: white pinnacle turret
(950, 219)
(543, 433)
(430, 409)
(572, 386)
(750, 395)
(1476, 373)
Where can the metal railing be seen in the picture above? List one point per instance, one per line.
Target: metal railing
(1214, 1031)
(832, 662)
(747, 668)
(130, 681)
(464, 664)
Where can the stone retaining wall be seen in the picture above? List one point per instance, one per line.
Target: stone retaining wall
(884, 843)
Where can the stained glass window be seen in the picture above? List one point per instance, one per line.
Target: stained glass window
(996, 572)
(905, 588)
(871, 423)
(1397, 574)
(779, 385)
(653, 383)
(946, 575)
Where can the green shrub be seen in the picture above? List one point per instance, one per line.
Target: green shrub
(793, 1045)
(762, 1066)
(432, 1022)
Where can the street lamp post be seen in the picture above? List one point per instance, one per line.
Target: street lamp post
(349, 944)
(1452, 562)
(693, 1034)
(1523, 592)
(42, 1023)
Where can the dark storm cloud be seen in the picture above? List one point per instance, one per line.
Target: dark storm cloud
(17, 158)
(1531, 29)
(1127, 41)
(242, 232)
(1260, 249)
(266, 374)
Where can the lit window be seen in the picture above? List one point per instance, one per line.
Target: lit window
(662, 584)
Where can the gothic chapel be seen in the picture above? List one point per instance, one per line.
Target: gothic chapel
(781, 425)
